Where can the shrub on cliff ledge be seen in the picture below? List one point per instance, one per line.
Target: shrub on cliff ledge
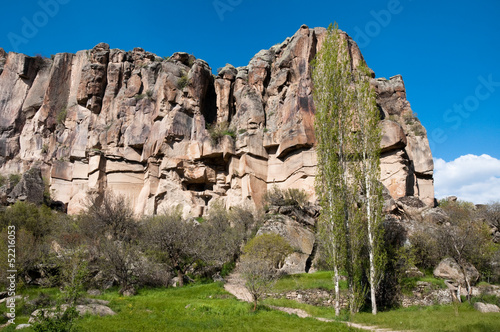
(291, 196)
(219, 130)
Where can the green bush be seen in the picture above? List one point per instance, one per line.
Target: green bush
(183, 82)
(61, 320)
(14, 179)
(219, 130)
(61, 115)
(291, 196)
(271, 247)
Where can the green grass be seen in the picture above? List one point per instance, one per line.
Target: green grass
(205, 307)
(318, 280)
(433, 319)
(408, 284)
(208, 307)
(195, 308)
(315, 311)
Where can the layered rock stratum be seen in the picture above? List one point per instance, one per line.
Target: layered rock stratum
(136, 124)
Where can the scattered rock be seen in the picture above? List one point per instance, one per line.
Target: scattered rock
(82, 309)
(413, 272)
(217, 278)
(94, 292)
(128, 291)
(486, 307)
(22, 326)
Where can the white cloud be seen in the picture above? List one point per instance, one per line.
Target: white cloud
(471, 178)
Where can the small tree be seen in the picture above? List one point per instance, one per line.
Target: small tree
(109, 215)
(112, 234)
(263, 256)
(465, 239)
(220, 241)
(174, 241)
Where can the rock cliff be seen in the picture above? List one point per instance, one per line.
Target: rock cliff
(136, 124)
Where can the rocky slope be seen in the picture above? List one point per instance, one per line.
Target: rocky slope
(135, 123)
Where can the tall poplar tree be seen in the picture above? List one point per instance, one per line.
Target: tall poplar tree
(348, 160)
(369, 136)
(333, 101)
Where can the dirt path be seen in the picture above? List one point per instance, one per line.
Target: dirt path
(236, 286)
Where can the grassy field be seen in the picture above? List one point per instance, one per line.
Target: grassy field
(193, 308)
(208, 307)
(434, 319)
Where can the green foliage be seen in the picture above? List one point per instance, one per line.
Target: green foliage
(34, 219)
(259, 266)
(291, 196)
(195, 308)
(183, 82)
(60, 320)
(14, 179)
(418, 129)
(410, 118)
(486, 298)
(61, 115)
(149, 93)
(220, 129)
(140, 96)
(173, 241)
(316, 280)
(432, 318)
(227, 268)
(271, 247)
(348, 136)
(3, 180)
(409, 284)
(45, 149)
(425, 248)
(75, 275)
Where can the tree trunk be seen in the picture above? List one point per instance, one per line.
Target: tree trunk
(371, 245)
(337, 292)
(255, 299)
(180, 276)
(467, 283)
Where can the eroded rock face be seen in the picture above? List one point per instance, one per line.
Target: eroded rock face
(449, 269)
(135, 123)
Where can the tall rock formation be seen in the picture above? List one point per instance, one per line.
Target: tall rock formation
(136, 124)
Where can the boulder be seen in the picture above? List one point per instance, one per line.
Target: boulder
(22, 326)
(82, 309)
(449, 269)
(296, 225)
(94, 292)
(486, 307)
(128, 291)
(393, 136)
(30, 188)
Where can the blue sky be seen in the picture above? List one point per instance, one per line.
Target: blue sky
(446, 51)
